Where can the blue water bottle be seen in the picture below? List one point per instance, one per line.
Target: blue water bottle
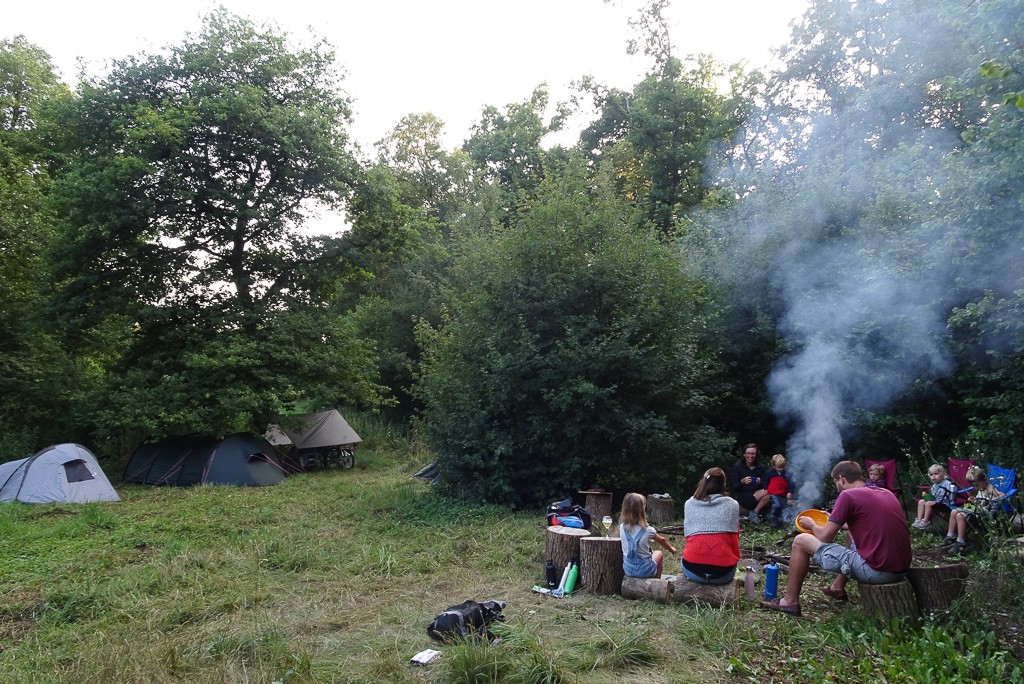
(771, 581)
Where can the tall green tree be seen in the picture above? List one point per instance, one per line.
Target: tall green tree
(506, 149)
(34, 373)
(429, 176)
(656, 140)
(183, 215)
(569, 356)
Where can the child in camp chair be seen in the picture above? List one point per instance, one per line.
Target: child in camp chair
(942, 492)
(983, 499)
(876, 476)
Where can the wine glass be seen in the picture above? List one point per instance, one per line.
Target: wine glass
(606, 521)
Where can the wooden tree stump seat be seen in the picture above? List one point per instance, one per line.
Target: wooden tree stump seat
(888, 601)
(648, 589)
(601, 564)
(937, 587)
(562, 544)
(660, 510)
(718, 595)
(680, 590)
(598, 504)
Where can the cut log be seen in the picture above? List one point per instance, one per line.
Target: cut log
(601, 564)
(649, 589)
(562, 545)
(888, 601)
(718, 595)
(660, 510)
(938, 587)
(598, 505)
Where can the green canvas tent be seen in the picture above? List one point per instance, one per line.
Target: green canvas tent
(318, 439)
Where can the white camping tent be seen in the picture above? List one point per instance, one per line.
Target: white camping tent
(61, 473)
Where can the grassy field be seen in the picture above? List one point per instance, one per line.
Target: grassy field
(334, 576)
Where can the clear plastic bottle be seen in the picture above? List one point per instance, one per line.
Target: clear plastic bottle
(750, 582)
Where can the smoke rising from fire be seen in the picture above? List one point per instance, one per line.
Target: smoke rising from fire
(861, 230)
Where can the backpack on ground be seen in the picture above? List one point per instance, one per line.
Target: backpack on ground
(466, 620)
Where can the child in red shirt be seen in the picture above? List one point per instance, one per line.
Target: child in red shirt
(780, 488)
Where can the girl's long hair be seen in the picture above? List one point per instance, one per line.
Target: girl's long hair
(634, 510)
(713, 482)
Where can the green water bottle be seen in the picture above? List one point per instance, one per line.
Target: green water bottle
(574, 575)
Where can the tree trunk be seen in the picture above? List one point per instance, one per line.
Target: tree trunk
(719, 595)
(660, 510)
(888, 601)
(563, 545)
(649, 589)
(601, 564)
(937, 587)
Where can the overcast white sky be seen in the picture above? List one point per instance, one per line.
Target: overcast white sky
(449, 57)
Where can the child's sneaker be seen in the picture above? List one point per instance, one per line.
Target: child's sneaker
(947, 542)
(956, 550)
(921, 524)
(754, 517)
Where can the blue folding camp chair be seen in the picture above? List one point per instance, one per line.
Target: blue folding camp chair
(1005, 480)
(999, 521)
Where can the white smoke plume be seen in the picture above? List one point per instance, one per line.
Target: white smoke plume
(861, 230)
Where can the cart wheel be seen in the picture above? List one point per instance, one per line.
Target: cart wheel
(347, 459)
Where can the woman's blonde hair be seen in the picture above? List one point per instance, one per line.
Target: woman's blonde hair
(777, 460)
(634, 510)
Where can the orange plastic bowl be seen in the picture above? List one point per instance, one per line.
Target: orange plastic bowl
(819, 517)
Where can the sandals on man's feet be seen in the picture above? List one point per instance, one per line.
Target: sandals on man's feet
(776, 605)
(837, 594)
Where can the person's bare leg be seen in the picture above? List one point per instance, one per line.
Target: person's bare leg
(961, 525)
(803, 548)
(928, 506)
(763, 502)
(658, 557)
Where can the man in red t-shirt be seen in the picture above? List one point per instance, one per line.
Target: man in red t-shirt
(880, 551)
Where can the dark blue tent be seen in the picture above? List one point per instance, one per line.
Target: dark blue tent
(239, 459)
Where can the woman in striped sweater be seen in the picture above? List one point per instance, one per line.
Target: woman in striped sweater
(711, 523)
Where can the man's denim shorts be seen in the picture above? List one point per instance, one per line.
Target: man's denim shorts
(846, 561)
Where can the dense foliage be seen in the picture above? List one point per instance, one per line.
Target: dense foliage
(824, 258)
(571, 353)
